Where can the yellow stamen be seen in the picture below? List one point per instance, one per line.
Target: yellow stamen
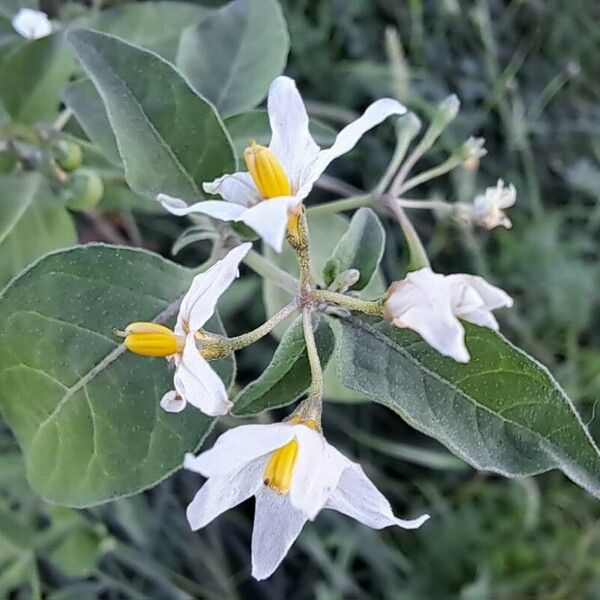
(152, 339)
(266, 171)
(280, 468)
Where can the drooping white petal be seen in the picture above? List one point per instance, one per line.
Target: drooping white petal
(222, 492)
(316, 473)
(269, 219)
(357, 497)
(440, 329)
(224, 211)
(238, 187)
(31, 24)
(481, 317)
(239, 446)
(291, 141)
(198, 383)
(277, 524)
(172, 402)
(198, 304)
(492, 296)
(347, 139)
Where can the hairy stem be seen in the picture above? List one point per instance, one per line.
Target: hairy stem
(316, 388)
(213, 346)
(364, 306)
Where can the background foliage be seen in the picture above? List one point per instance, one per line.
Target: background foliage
(527, 74)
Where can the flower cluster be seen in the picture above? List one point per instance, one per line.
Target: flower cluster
(289, 467)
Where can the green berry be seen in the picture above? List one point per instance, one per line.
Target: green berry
(68, 155)
(85, 190)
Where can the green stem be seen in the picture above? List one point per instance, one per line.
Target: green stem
(417, 256)
(432, 173)
(336, 206)
(316, 388)
(217, 346)
(265, 268)
(367, 307)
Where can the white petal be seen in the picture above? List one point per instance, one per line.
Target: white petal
(238, 188)
(291, 141)
(217, 209)
(197, 382)
(481, 317)
(172, 402)
(31, 24)
(198, 304)
(357, 497)
(269, 219)
(316, 473)
(492, 296)
(238, 447)
(223, 492)
(347, 139)
(441, 330)
(277, 524)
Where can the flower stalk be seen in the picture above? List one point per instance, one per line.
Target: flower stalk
(367, 307)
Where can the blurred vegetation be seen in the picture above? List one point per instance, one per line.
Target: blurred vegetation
(528, 75)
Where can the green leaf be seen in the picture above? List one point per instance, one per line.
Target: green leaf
(254, 125)
(361, 247)
(170, 139)
(287, 376)
(83, 99)
(32, 223)
(501, 412)
(86, 412)
(33, 78)
(232, 56)
(155, 26)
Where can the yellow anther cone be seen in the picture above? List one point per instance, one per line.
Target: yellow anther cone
(266, 171)
(280, 468)
(152, 339)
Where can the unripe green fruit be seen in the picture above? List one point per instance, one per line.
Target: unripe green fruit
(68, 155)
(85, 190)
(8, 161)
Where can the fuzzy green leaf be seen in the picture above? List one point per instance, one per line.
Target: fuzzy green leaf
(501, 412)
(86, 412)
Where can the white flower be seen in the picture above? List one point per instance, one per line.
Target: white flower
(293, 473)
(195, 380)
(488, 207)
(432, 304)
(284, 173)
(31, 24)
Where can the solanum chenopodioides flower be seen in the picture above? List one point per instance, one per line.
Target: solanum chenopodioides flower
(293, 473)
(488, 208)
(432, 304)
(285, 172)
(195, 380)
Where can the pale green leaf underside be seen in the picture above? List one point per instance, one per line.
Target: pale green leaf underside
(233, 54)
(85, 412)
(155, 26)
(170, 139)
(500, 412)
